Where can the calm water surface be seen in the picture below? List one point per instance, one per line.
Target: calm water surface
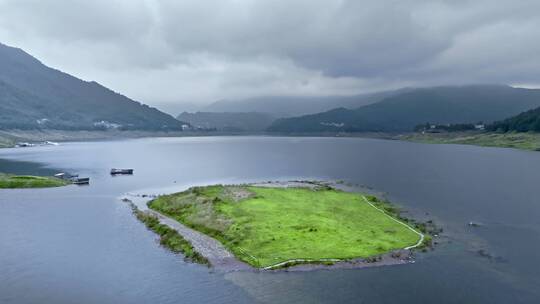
(82, 245)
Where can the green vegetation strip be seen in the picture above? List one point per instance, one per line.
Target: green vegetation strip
(8, 181)
(267, 226)
(6, 142)
(170, 238)
(523, 141)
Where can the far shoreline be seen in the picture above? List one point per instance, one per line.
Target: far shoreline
(520, 141)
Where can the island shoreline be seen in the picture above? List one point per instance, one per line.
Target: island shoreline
(221, 259)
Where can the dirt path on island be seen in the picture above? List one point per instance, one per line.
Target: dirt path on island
(220, 258)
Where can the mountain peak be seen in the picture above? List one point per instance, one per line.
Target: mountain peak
(36, 96)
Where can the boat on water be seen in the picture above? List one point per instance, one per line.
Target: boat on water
(24, 145)
(29, 145)
(64, 175)
(80, 180)
(121, 171)
(73, 178)
(474, 224)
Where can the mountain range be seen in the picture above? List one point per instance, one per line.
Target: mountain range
(258, 113)
(34, 96)
(402, 112)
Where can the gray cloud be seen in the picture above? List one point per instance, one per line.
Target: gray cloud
(199, 51)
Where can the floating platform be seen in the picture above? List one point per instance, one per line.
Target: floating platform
(121, 171)
(73, 178)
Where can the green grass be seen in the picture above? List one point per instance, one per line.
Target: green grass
(6, 142)
(265, 226)
(169, 238)
(8, 181)
(5, 145)
(524, 141)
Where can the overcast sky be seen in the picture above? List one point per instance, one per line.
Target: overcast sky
(197, 51)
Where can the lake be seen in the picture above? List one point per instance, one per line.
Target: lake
(81, 244)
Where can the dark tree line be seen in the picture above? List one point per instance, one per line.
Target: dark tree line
(528, 121)
(445, 127)
(525, 122)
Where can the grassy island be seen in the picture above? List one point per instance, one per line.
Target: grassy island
(8, 181)
(267, 226)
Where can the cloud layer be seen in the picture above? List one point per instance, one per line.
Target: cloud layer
(199, 51)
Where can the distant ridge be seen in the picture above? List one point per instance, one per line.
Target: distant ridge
(402, 112)
(232, 122)
(34, 96)
(287, 106)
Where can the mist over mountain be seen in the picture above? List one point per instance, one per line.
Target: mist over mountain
(441, 105)
(33, 96)
(233, 122)
(287, 106)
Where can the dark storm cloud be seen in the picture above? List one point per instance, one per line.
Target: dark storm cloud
(195, 50)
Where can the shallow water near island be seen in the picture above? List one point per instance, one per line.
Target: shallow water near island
(82, 244)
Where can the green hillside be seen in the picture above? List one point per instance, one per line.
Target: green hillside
(528, 121)
(34, 96)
